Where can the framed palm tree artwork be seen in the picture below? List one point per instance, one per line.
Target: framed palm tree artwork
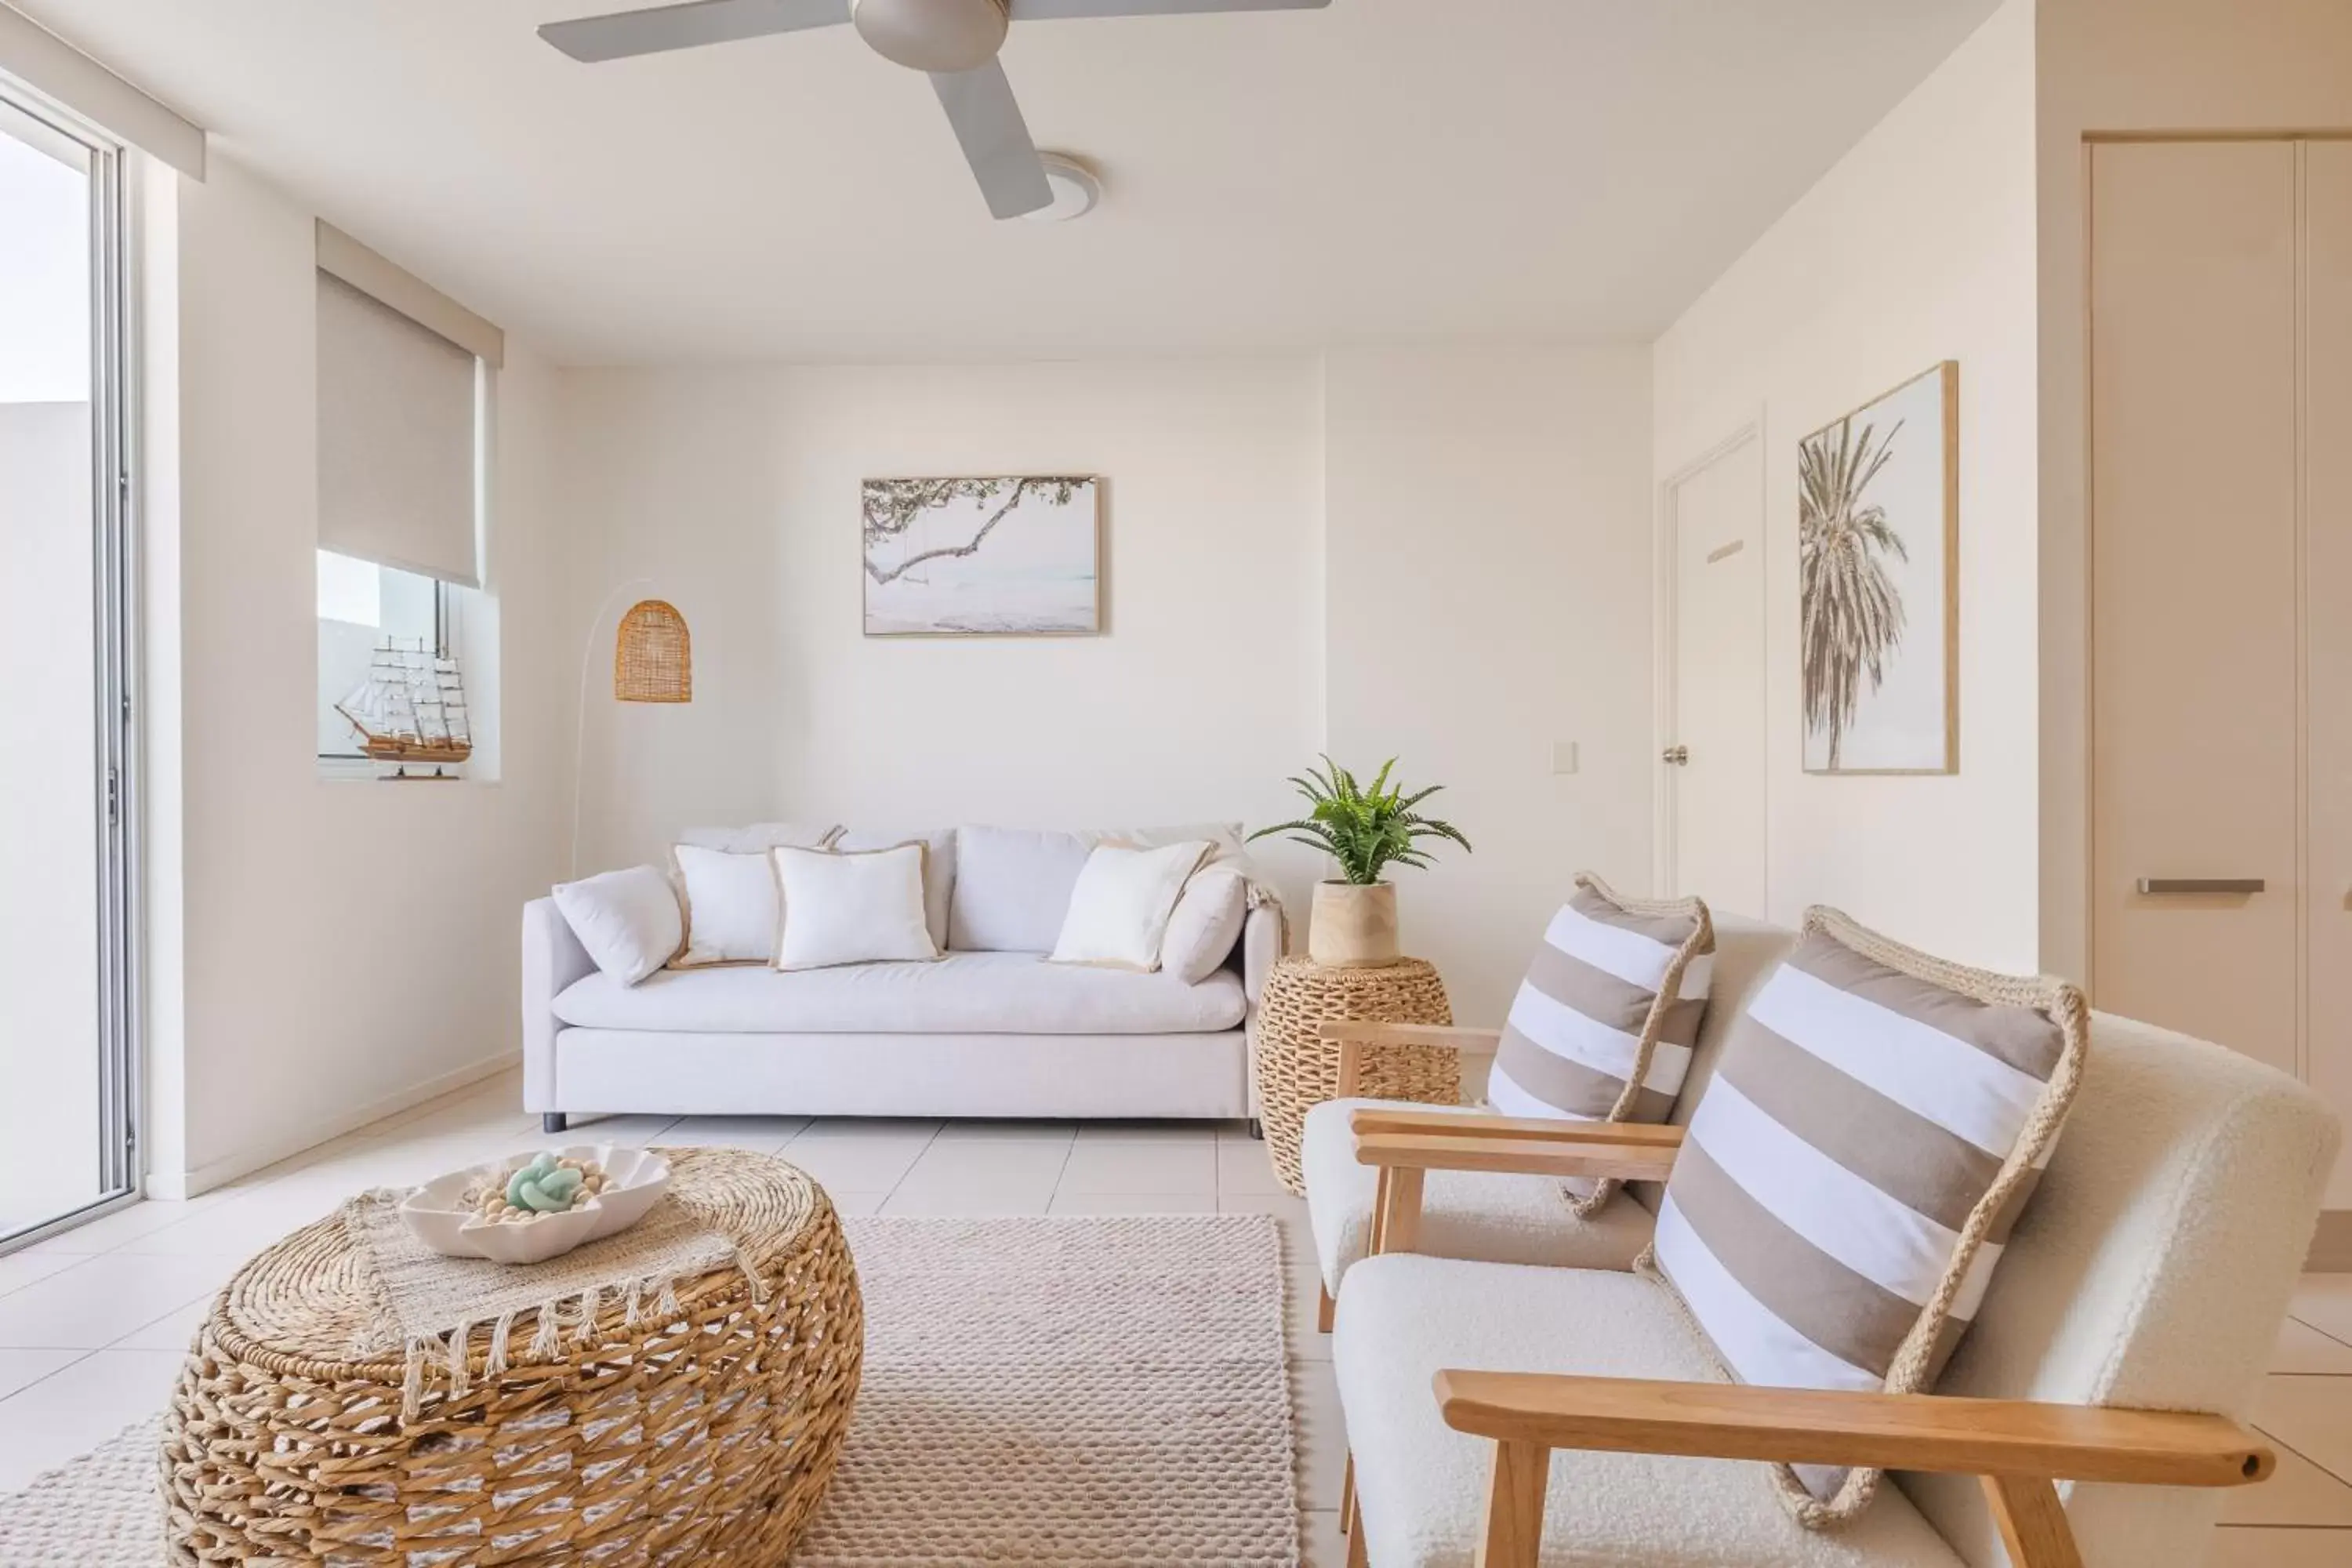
(1878, 534)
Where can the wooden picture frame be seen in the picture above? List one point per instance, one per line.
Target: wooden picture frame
(927, 570)
(1878, 583)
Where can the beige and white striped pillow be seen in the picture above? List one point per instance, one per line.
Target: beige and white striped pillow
(1603, 1025)
(1874, 1127)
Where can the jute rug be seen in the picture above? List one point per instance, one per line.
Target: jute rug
(1098, 1392)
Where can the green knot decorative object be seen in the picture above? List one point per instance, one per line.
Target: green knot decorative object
(543, 1187)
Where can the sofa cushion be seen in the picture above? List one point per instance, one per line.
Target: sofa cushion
(1422, 1485)
(1482, 1215)
(964, 992)
(1014, 887)
(760, 836)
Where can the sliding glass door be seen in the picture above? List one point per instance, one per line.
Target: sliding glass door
(67, 1090)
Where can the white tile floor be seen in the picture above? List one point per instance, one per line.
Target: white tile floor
(92, 1323)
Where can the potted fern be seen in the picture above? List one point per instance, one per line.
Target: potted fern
(1366, 829)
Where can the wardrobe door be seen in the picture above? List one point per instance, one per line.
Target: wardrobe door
(2194, 465)
(2327, 612)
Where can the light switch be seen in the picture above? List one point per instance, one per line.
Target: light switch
(1563, 756)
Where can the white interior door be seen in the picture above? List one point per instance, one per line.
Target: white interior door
(2195, 865)
(1714, 759)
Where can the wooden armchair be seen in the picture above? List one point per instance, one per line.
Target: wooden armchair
(1495, 1215)
(2151, 1271)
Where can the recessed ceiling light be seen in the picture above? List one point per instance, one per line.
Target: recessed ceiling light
(1075, 187)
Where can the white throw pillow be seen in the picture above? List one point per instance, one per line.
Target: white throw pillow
(730, 907)
(628, 920)
(940, 858)
(851, 907)
(1119, 909)
(1205, 924)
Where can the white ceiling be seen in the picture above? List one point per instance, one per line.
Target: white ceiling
(1383, 170)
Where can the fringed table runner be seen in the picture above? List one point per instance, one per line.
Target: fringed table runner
(436, 1303)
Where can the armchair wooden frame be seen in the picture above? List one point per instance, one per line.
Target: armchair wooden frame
(2016, 1449)
(1351, 1036)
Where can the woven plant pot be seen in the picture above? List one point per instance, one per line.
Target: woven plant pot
(1354, 926)
(703, 1433)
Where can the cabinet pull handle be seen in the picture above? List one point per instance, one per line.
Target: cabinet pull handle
(2200, 884)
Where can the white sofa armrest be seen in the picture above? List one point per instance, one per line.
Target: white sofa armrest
(553, 959)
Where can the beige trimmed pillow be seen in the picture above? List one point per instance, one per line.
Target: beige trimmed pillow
(1604, 1023)
(851, 906)
(1874, 1126)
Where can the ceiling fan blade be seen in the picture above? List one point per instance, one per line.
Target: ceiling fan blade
(996, 138)
(1054, 10)
(665, 27)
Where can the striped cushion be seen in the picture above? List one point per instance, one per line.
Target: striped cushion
(1603, 1025)
(1874, 1126)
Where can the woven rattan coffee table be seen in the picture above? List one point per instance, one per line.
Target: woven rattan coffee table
(1296, 1070)
(699, 1427)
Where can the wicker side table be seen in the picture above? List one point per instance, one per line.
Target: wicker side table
(1294, 1070)
(701, 1431)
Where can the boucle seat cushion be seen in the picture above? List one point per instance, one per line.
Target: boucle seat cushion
(1421, 1486)
(963, 993)
(1500, 1219)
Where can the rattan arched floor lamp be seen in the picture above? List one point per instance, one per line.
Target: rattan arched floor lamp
(653, 661)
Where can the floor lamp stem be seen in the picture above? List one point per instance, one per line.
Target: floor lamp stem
(580, 729)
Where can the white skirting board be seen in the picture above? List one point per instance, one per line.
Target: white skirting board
(174, 1185)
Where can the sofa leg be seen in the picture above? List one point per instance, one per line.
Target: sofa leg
(1358, 1557)
(1326, 1310)
(1347, 1496)
(553, 1123)
(1257, 1129)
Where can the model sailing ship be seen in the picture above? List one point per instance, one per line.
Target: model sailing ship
(411, 708)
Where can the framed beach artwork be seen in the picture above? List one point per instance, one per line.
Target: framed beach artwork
(1878, 539)
(1009, 556)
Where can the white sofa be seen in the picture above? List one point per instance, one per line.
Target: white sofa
(987, 1031)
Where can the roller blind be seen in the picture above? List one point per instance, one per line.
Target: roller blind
(396, 447)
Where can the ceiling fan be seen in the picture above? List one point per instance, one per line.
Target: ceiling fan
(955, 41)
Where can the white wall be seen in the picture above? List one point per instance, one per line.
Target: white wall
(1488, 593)
(323, 950)
(1918, 247)
(735, 495)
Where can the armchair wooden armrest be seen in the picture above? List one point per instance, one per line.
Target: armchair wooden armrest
(1351, 1036)
(2015, 1448)
(1625, 1150)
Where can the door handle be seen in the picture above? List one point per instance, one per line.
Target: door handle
(1677, 755)
(2201, 885)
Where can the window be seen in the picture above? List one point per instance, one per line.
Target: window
(402, 423)
(68, 811)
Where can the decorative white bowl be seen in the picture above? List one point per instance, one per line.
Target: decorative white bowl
(437, 1215)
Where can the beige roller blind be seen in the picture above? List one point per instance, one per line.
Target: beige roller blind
(396, 439)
